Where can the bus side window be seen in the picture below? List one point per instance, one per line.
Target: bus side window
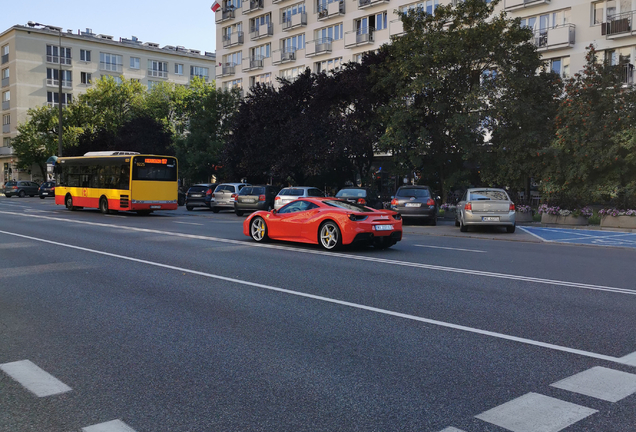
(124, 176)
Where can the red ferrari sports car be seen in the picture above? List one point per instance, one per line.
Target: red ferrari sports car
(327, 221)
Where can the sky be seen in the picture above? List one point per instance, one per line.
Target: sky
(189, 24)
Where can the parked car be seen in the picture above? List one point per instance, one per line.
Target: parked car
(485, 206)
(328, 222)
(195, 197)
(415, 202)
(47, 189)
(252, 198)
(224, 196)
(20, 188)
(289, 194)
(361, 195)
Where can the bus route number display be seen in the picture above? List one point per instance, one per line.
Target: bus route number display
(157, 161)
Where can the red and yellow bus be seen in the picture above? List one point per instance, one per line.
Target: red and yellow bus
(128, 182)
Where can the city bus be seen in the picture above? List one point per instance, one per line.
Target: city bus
(117, 181)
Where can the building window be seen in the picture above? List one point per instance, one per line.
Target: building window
(288, 12)
(6, 142)
(261, 21)
(331, 65)
(333, 32)
(201, 72)
(134, 62)
(5, 73)
(260, 52)
(178, 69)
(265, 79)
(231, 4)
(53, 54)
(152, 84)
(110, 62)
(6, 96)
(53, 98)
(85, 78)
(292, 73)
(5, 54)
(157, 69)
(561, 66)
(293, 43)
(380, 21)
(609, 10)
(85, 55)
(229, 85)
(53, 74)
(6, 119)
(429, 6)
(547, 21)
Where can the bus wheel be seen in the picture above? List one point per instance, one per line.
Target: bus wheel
(144, 212)
(69, 202)
(103, 205)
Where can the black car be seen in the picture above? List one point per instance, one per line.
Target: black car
(47, 189)
(252, 198)
(361, 195)
(415, 202)
(196, 195)
(20, 188)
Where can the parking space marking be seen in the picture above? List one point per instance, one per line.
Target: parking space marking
(600, 383)
(110, 426)
(534, 412)
(587, 237)
(34, 379)
(450, 248)
(338, 302)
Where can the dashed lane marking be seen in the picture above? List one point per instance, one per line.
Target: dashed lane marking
(450, 248)
(34, 379)
(111, 426)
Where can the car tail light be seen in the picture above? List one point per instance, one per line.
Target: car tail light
(468, 206)
(397, 216)
(362, 201)
(277, 198)
(512, 207)
(213, 195)
(14, 187)
(357, 218)
(208, 192)
(261, 197)
(430, 201)
(234, 196)
(394, 201)
(52, 189)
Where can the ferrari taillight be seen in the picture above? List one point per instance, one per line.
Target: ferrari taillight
(261, 197)
(468, 206)
(430, 201)
(362, 201)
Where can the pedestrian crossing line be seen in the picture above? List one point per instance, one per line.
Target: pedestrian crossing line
(534, 412)
(629, 359)
(600, 383)
(34, 379)
(110, 426)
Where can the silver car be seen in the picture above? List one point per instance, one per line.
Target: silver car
(289, 194)
(485, 206)
(224, 196)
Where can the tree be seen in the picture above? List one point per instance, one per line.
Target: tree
(445, 73)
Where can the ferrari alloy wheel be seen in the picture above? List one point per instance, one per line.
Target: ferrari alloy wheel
(258, 229)
(329, 236)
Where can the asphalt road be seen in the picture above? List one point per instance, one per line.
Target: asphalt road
(178, 322)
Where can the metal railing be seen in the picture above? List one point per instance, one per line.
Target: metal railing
(261, 31)
(295, 21)
(157, 73)
(618, 24)
(56, 59)
(235, 38)
(253, 5)
(112, 67)
(557, 37)
(54, 82)
(326, 10)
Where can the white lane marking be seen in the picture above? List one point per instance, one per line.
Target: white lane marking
(34, 379)
(534, 412)
(188, 223)
(450, 248)
(629, 359)
(451, 429)
(111, 426)
(600, 383)
(335, 301)
(347, 256)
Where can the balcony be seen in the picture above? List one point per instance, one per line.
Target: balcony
(226, 14)
(153, 73)
(368, 3)
(5, 58)
(66, 61)
(55, 83)
(277, 1)
(330, 10)
(232, 39)
(226, 69)
(318, 46)
(618, 25)
(6, 105)
(396, 28)
(261, 31)
(5, 82)
(252, 5)
(295, 21)
(362, 36)
(6, 150)
(554, 38)
(254, 63)
(6, 128)
(512, 5)
(111, 67)
(283, 56)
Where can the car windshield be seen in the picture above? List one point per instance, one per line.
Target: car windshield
(293, 192)
(413, 192)
(348, 206)
(351, 193)
(481, 195)
(196, 189)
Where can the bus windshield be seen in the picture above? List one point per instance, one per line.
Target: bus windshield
(154, 169)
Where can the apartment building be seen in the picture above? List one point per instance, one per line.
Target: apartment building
(259, 40)
(31, 59)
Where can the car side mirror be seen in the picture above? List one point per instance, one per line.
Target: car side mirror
(274, 211)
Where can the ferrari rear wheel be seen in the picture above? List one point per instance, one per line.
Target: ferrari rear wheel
(329, 236)
(258, 229)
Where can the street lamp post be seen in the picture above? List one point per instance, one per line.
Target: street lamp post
(59, 79)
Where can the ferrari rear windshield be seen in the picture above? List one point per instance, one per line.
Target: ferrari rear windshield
(348, 206)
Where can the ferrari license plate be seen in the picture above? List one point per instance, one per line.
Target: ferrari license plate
(490, 219)
(413, 204)
(383, 227)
